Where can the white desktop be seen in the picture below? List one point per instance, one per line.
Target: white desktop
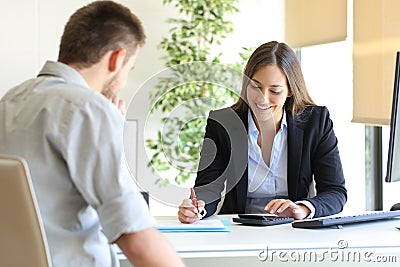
(352, 245)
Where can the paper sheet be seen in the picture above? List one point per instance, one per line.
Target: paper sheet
(199, 226)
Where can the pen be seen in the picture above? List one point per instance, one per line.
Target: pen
(194, 198)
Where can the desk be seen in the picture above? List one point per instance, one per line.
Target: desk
(280, 245)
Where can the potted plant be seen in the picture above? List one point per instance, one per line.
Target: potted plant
(196, 83)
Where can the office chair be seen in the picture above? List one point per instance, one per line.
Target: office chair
(22, 237)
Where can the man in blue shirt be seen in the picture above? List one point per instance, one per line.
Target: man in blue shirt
(67, 124)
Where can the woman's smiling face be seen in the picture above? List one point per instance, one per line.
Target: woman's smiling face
(267, 92)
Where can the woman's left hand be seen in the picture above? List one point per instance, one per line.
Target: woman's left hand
(287, 208)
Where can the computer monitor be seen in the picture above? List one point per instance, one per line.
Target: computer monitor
(393, 162)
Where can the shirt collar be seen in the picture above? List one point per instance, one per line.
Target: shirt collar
(284, 122)
(69, 74)
(252, 125)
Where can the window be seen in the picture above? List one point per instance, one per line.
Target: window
(328, 73)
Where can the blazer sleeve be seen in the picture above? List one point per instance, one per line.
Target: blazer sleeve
(223, 161)
(327, 168)
(214, 157)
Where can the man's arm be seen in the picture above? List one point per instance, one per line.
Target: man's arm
(148, 248)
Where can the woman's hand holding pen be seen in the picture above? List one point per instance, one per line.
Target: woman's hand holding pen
(287, 208)
(188, 212)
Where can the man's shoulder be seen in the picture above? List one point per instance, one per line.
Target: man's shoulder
(75, 99)
(49, 92)
(17, 91)
(58, 80)
(75, 94)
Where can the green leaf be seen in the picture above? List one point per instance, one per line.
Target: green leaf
(193, 36)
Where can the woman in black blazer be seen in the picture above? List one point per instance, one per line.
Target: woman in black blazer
(262, 154)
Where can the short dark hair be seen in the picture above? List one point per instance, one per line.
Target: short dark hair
(97, 28)
(281, 55)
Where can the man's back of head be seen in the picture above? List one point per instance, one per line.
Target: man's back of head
(96, 28)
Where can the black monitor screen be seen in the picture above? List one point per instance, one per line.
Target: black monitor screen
(393, 163)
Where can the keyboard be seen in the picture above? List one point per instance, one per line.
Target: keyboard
(261, 219)
(350, 219)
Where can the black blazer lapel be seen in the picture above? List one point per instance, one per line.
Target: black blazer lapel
(242, 186)
(295, 146)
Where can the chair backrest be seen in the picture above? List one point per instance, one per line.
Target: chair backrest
(22, 238)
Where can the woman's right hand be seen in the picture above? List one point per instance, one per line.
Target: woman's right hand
(188, 213)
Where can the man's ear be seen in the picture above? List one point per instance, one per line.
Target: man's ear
(116, 60)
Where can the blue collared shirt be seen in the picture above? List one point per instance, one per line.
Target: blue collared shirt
(267, 181)
(71, 137)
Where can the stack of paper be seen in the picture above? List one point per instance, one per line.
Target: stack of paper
(168, 226)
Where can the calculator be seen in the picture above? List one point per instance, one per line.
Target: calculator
(261, 219)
